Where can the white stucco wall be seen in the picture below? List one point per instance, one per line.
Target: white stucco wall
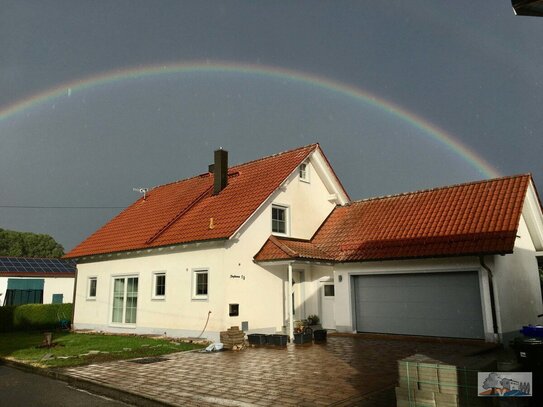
(3, 288)
(517, 284)
(64, 286)
(178, 314)
(51, 285)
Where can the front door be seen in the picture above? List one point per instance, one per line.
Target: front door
(327, 306)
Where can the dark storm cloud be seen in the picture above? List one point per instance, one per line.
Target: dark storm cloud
(472, 70)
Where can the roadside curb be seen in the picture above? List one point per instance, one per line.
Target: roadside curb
(101, 389)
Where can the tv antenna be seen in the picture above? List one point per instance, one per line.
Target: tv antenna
(141, 191)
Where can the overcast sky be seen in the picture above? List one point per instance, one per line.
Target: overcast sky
(392, 90)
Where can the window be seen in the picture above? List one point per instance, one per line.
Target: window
(279, 219)
(304, 172)
(57, 298)
(233, 310)
(125, 300)
(200, 283)
(24, 291)
(329, 290)
(159, 285)
(91, 293)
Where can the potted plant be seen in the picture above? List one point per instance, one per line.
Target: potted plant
(313, 320)
(305, 337)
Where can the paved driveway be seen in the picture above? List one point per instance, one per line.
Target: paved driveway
(341, 372)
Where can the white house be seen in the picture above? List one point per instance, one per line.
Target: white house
(28, 280)
(265, 243)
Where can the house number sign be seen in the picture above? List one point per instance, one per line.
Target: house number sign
(237, 276)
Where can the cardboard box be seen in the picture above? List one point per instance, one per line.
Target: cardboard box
(446, 400)
(428, 379)
(405, 395)
(407, 368)
(448, 379)
(425, 398)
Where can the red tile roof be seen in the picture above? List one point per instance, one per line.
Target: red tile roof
(468, 219)
(277, 248)
(187, 211)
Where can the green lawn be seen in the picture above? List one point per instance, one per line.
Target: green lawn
(70, 348)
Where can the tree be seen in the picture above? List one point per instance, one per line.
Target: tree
(26, 244)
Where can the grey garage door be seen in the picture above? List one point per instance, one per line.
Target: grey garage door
(435, 304)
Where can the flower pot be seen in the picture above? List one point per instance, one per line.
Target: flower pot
(319, 335)
(303, 338)
(257, 339)
(277, 340)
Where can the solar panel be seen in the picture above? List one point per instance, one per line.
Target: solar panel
(36, 265)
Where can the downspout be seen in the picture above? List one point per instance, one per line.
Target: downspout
(492, 296)
(290, 305)
(73, 299)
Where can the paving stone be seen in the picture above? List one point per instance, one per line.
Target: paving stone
(343, 372)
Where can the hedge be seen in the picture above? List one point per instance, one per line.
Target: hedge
(6, 318)
(34, 316)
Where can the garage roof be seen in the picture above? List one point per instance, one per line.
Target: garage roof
(468, 219)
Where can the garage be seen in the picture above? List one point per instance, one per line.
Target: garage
(428, 304)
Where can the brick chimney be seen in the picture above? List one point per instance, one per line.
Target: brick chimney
(220, 171)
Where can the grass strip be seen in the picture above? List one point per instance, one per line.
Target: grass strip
(75, 349)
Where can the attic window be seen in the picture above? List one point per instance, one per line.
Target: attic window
(279, 219)
(304, 172)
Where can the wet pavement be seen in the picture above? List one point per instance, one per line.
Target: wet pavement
(23, 389)
(346, 371)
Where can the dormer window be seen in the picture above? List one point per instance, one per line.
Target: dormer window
(304, 172)
(279, 219)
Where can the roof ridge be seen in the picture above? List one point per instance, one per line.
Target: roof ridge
(421, 191)
(206, 174)
(314, 145)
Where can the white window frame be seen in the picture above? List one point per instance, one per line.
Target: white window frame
(154, 295)
(286, 208)
(112, 291)
(89, 284)
(195, 273)
(303, 172)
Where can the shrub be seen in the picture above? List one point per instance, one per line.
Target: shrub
(313, 320)
(40, 316)
(6, 318)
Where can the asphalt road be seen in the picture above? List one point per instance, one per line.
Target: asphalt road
(21, 389)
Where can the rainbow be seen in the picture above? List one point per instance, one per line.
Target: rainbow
(428, 129)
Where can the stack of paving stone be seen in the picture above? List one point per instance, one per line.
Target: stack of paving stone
(233, 338)
(431, 383)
